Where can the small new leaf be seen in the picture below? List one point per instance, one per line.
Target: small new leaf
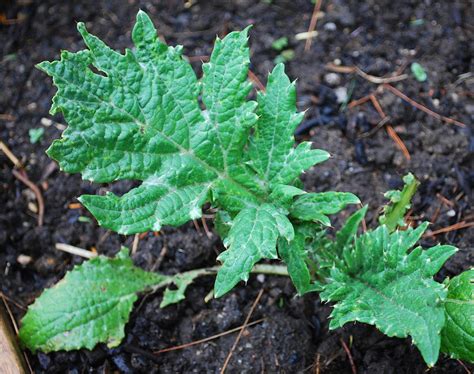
(394, 213)
(181, 281)
(457, 336)
(252, 237)
(381, 283)
(317, 206)
(90, 305)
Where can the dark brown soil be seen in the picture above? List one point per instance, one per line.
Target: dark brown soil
(380, 37)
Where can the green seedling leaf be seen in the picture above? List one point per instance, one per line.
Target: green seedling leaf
(294, 253)
(400, 201)
(381, 283)
(317, 206)
(284, 56)
(418, 72)
(90, 305)
(36, 135)
(347, 234)
(457, 336)
(280, 43)
(138, 116)
(252, 237)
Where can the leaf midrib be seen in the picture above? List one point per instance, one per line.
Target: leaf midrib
(171, 141)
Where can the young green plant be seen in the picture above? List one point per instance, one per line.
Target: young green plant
(139, 116)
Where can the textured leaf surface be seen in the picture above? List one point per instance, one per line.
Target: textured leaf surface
(457, 337)
(294, 254)
(137, 116)
(253, 236)
(271, 150)
(394, 212)
(90, 305)
(381, 283)
(317, 206)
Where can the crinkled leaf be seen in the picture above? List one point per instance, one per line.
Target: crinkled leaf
(90, 305)
(294, 254)
(316, 206)
(284, 194)
(457, 336)
(394, 212)
(381, 283)
(252, 237)
(137, 116)
(272, 152)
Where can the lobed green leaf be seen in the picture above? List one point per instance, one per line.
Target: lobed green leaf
(381, 283)
(457, 336)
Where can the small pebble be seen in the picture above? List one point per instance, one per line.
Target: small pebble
(341, 93)
(24, 259)
(261, 278)
(451, 213)
(33, 207)
(46, 122)
(332, 79)
(330, 26)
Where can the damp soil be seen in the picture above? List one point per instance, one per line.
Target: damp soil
(380, 37)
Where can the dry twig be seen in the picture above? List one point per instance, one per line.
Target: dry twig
(456, 226)
(136, 240)
(391, 132)
(23, 177)
(312, 24)
(363, 74)
(75, 250)
(10, 155)
(256, 81)
(349, 355)
(417, 105)
(216, 336)
(247, 319)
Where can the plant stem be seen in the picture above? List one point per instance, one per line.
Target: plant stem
(280, 270)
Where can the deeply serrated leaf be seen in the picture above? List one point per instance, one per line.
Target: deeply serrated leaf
(90, 305)
(252, 237)
(457, 336)
(317, 206)
(380, 283)
(138, 116)
(271, 151)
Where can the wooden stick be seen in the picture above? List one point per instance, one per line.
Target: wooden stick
(363, 74)
(417, 105)
(456, 226)
(4, 148)
(75, 250)
(200, 341)
(391, 132)
(312, 24)
(23, 177)
(349, 355)
(11, 358)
